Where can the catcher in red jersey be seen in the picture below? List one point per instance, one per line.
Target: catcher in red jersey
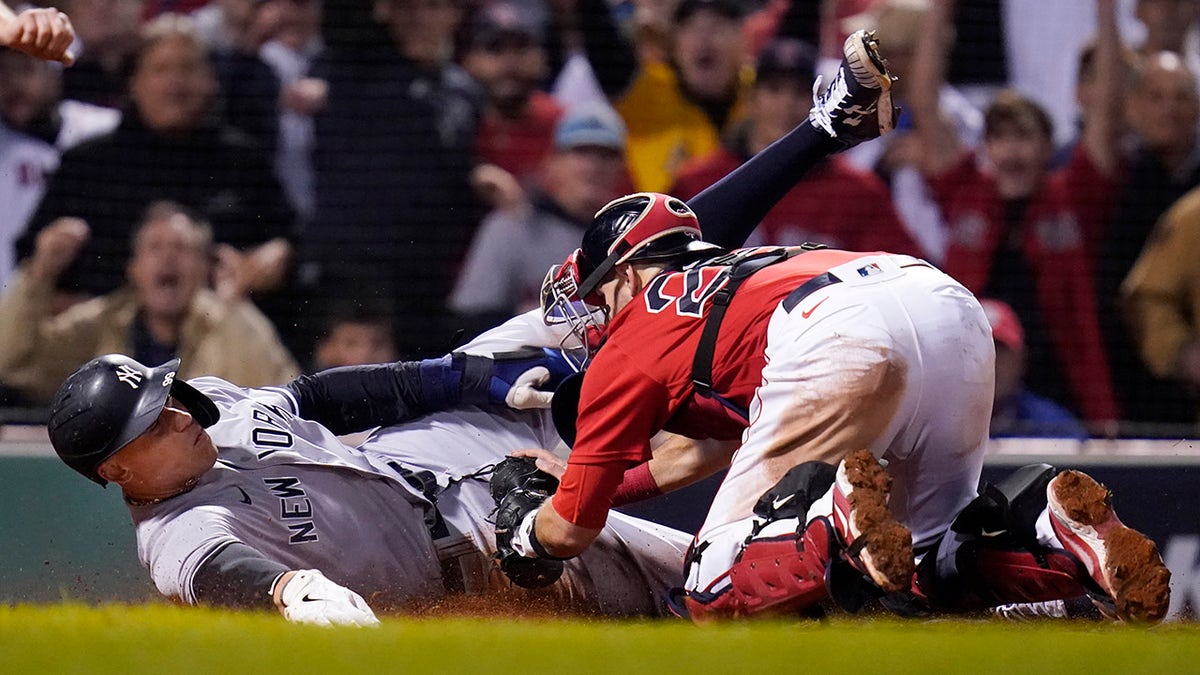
(824, 363)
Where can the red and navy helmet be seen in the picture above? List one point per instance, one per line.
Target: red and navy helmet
(641, 226)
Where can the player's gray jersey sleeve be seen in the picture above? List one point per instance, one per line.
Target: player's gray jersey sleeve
(523, 330)
(173, 545)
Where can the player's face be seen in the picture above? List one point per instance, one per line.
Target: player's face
(708, 53)
(173, 86)
(168, 458)
(29, 88)
(618, 291)
(168, 266)
(1020, 156)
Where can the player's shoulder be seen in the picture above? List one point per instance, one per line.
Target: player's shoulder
(227, 394)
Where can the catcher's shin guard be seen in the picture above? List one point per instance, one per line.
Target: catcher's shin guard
(1123, 562)
(968, 573)
(772, 576)
(875, 543)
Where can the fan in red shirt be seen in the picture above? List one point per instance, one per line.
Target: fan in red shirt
(1020, 232)
(505, 53)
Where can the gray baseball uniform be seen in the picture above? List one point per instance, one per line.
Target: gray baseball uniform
(291, 490)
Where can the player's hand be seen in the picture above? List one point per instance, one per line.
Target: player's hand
(42, 33)
(56, 247)
(525, 379)
(307, 596)
(544, 460)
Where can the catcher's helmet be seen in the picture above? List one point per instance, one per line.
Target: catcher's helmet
(111, 400)
(641, 226)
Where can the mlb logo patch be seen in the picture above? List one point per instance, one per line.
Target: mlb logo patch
(869, 270)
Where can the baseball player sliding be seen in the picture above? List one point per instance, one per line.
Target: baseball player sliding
(246, 498)
(44, 33)
(827, 365)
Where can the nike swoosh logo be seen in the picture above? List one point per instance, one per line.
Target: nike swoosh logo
(987, 533)
(245, 497)
(308, 599)
(808, 312)
(780, 501)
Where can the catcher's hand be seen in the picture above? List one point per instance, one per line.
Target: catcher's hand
(516, 509)
(309, 597)
(520, 473)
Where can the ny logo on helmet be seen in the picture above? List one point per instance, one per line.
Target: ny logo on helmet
(129, 376)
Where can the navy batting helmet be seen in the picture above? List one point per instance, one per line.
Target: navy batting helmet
(111, 400)
(641, 226)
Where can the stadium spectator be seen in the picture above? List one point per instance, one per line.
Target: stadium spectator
(108, 37)
(1161, 302)
(505, 53)
(36, 126)
(677, 109)
(509, 257)
(356, 336)
(394, 205)
(234, 31)
(291, 53)
(836, 204)
(895, 157)
(1163, 110)
(1017, 411)
(167, 147)
(1018, 231)
(165, 311)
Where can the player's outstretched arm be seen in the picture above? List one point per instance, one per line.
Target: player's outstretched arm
(44, 33)
(356, 398)
(240, 577)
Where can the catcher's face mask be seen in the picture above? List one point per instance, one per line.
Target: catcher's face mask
(585, 316)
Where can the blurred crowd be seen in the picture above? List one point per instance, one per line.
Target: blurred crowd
(265, 187)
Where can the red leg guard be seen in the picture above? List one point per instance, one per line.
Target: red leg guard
(991, 576)
(772, 577)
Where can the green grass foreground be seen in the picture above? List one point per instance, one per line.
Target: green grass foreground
(169, 639)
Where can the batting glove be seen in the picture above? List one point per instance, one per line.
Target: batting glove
(310, 597)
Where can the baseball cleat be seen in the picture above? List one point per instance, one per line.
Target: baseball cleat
(857, 104)
(1122, 561)
(876, 544)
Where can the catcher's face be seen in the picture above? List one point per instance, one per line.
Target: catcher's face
(561, 304)
(167, 459)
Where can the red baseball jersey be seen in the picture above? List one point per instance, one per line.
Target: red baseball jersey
(640, 381)
(836, 204)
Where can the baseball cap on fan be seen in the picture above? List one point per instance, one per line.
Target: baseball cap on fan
(1006, 327)
(593, 125)
(786, 59)
(730, 9)
(505, 22)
